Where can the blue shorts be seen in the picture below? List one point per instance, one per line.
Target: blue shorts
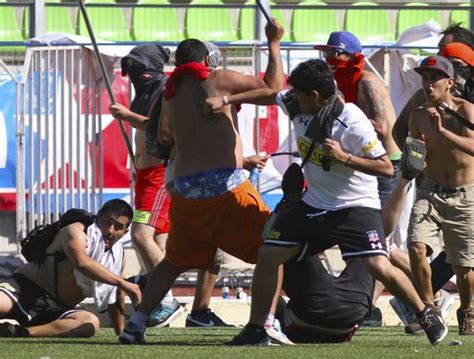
(209, 184)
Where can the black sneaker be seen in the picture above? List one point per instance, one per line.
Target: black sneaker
(374, 319)
(433, 326)
(132, 334)
(251, 335)
(205, 318)
(9, 330)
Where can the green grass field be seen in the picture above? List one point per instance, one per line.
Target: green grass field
(386, 342)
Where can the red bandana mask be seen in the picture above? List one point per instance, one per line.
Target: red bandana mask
(347, 75)
(198, 70)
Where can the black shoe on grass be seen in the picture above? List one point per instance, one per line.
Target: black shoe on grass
(433, 325)
(251, 335)
(9, 330)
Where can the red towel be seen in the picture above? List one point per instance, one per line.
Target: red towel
(198, 70)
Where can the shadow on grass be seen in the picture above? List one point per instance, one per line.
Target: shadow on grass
(195, 343)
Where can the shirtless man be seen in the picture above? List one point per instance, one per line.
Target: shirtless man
(144, 66)
(87, 262)
(458, 36)
(213, 204)
(445, 198)
(453, 33)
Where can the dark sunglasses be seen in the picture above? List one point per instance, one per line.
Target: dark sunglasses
(335, 52)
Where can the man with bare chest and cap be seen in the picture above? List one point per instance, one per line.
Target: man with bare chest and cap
(445, 198)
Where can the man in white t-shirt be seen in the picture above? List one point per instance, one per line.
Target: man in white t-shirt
(341, 204)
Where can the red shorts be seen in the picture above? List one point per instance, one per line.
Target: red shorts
(152, 202)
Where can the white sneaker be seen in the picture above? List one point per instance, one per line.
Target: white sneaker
(277, 334)
(401, 309)
(445, 302)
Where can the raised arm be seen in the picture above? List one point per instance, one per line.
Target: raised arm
(228, 82)
(274, 77)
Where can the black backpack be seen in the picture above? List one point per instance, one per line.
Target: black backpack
(34, 245)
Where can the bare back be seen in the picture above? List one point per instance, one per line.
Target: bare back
(202, 142)
(43, 274)
(445, 164)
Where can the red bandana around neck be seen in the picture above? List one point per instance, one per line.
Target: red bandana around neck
(197, 69)
(347, 75)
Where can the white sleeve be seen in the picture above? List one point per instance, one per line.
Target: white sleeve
(280, 102)
(361, 140)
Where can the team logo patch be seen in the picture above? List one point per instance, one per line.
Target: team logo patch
(373, 236)
(273, 235)
(304, 120)
(7, 286)
(370, 146)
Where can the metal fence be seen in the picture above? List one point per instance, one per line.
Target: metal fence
(59, 131)
(59, 139)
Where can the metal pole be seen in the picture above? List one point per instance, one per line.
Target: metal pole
(106, 79)
(36, 25)
(55, 138)
(471, 17)
(48, 137)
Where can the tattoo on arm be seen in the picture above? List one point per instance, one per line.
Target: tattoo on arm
(372, 103)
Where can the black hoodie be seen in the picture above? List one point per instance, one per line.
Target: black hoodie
(151, 59)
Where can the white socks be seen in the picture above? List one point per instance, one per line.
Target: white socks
(168, 299)
(269, 321)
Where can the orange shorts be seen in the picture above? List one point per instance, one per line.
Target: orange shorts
(152, 202)
(232, 222)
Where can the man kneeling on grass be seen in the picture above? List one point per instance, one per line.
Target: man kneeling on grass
(81, 261)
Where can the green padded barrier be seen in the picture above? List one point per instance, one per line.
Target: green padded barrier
(460, 16)
(155, 24)
(312, 25)
(57, 20)
(408, 18)
(108, 23)
(208, 24)
(9, 30)
(370, 26)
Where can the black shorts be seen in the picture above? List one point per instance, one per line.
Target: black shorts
(32, 305)
(357, 230)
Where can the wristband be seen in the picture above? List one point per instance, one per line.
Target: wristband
(348, 162)
(225, 100)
